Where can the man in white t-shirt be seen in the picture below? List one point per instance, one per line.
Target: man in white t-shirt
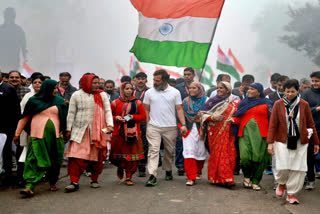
(160, 103)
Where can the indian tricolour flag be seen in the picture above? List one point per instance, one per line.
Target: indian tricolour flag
(26, 70)
(122, 72)
(206, 76)
(134, 67)
(176, 32)
(173, 74)
(226, 64)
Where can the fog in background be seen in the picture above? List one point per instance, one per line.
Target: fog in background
(81, 36)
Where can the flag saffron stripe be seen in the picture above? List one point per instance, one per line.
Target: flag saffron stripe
(163, 9)
(179, 54)
(181, 30)
(228, 69)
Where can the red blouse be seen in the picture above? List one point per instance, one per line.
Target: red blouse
(261, 115)
(117, 107)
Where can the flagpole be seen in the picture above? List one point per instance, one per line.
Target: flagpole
(214, 32)
(201, 74)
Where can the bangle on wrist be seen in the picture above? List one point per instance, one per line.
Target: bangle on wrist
(184, 124)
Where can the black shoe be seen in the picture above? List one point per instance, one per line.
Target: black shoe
(142, 171)
(228, 185)
(20, 184)
(169, 176)
(152, 181)
(181, 171)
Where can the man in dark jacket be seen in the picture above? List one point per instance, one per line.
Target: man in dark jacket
(241, 92)
(109, 88)
(278, 94)
(312, 96)
(140, 90)
(273, 84)
(65, 89)
(10, 110)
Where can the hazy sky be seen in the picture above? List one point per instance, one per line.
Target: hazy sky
(90, 36)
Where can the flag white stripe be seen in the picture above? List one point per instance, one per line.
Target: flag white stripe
(183, 29)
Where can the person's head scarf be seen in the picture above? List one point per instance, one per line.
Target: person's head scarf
(216, 106)
(123, 98)
(86, 86)
(99, 121)
(129, 107)
(217, 99)
(45, 99)
(193, 104)
(249, 103)
(259, 87)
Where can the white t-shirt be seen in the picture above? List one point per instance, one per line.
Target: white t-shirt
(163, 106)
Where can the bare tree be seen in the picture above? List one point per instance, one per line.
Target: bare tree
(304, 30)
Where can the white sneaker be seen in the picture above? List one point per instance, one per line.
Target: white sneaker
(94, 184)
(190, 183)
(199, 177)
(310, 185)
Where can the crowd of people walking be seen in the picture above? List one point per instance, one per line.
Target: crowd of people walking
(138, 128)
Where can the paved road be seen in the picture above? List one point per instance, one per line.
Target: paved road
(168, 197)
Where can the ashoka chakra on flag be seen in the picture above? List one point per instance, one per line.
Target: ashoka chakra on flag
(175, 32)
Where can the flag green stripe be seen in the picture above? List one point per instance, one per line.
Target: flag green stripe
(228, 69)
(179, 54)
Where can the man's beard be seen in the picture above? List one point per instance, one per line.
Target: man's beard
(160, 87)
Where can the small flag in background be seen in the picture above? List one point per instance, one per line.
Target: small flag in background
(172, 74)
(26, 70)
(226, 65)
(134, 67)
(235, 62)
(176, 33)
(207, 76)
(122, 72)
(269, 76)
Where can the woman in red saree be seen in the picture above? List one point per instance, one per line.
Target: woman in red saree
(220, 137)
(126, 144)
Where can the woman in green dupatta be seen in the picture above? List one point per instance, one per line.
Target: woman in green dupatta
(44, 119)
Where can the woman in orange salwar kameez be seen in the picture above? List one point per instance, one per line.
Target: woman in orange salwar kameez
(222, 159)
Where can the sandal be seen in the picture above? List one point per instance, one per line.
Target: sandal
(256, 187)
(247, 183)
(129, 182)
(292, 199)
(27, 193)
(53, 188)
